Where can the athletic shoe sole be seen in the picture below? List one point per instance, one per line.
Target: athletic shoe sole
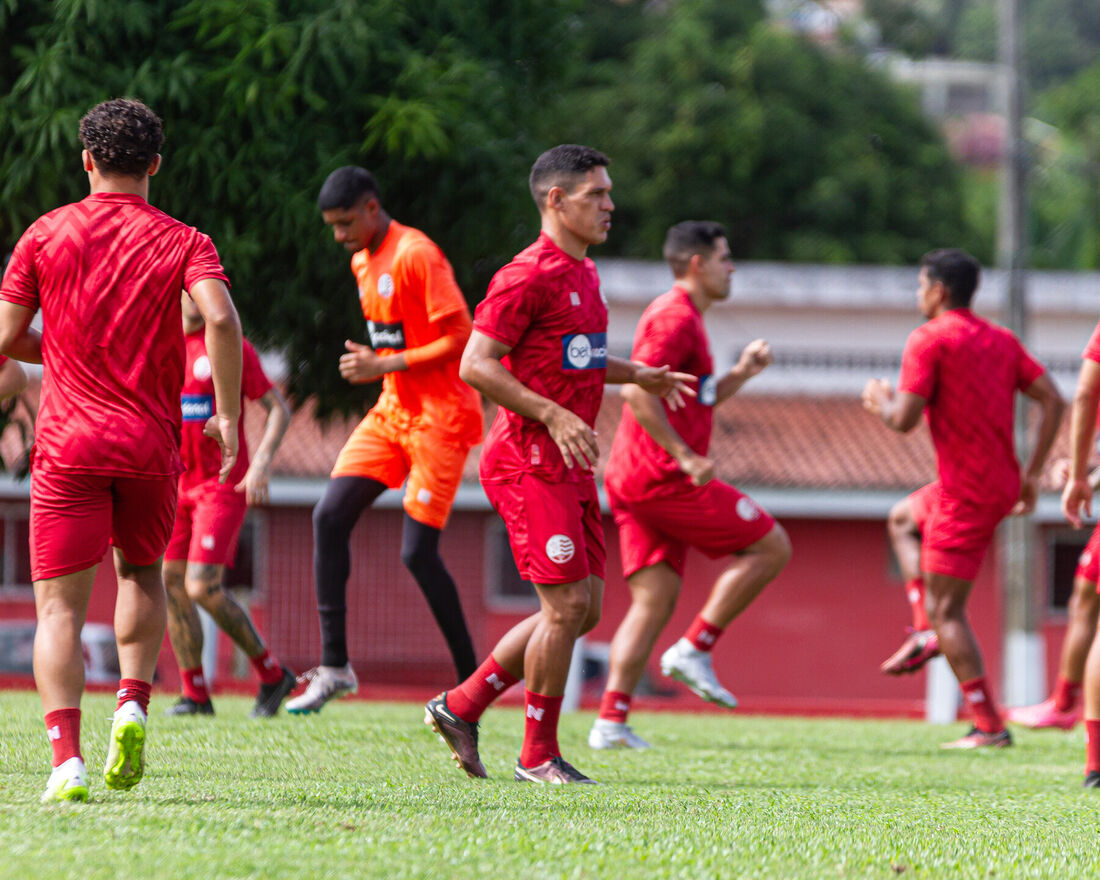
(125, 762)
(674, 673)
(474, 771)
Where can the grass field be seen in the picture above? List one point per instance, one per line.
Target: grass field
(364, 790)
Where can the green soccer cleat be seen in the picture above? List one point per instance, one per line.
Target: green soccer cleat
(125, 761)
(68, 782)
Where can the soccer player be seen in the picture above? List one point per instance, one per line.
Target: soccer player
(665, 497)
(539, 349)
(964, 372)
(209, 515)
(421, 428)
(107, 273)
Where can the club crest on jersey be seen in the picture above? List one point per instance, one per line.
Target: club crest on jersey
(747, 509)
(386, 335)
(584, 351)
(708, 390)
(560, 549)
(385, 285)
(197, 407)
(201, 368)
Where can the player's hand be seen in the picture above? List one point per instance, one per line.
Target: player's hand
(360, 364)
(875, 393)
(224, 430)
(1059, 471)
(254, 485)
(755, 357)
(698, 467)
(1076, 496)
(574, 438)
(1029, 495)
(664, 383)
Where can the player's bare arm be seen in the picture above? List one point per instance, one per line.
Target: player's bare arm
(1077, 495)
(13, 379)
(18, 339)
(224, 348)
(899, 411)
(1044, 392)
(755, 358)
(481, 368)
(255, 482)
(651, 416)
(659, 381)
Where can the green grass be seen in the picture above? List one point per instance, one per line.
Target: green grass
(364, 790)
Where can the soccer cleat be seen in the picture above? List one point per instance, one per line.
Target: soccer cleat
(270, 696)
(460, 736)
(125, 752)
(614, 735)
(920, 646)
(187, 706)
(1092, 779)
(325, 683)
(1042, 716)
(977, 739)
(68, 782)
(556, 771)
(694, 668)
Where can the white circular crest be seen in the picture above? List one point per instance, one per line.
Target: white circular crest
(560, 549)
(385, 285)
(201, 369)
(579, 351)
(1086, 558)
(747, 509)
(207, 542)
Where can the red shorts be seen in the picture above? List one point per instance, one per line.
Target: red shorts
(1088, 563)
(955, 534)
(716, 519)
(75, 516)
(555, 529)
(208, 521)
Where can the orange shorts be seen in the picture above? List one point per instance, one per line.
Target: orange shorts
(382, 449)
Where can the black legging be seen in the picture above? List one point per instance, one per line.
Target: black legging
(334, 517)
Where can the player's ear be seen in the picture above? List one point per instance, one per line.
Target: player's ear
(86, 160)
(154, 166)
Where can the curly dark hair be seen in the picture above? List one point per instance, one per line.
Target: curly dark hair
(123, 136)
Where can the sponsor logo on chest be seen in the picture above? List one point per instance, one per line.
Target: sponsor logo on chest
(386, 335)
(584, 351)
(197, 407)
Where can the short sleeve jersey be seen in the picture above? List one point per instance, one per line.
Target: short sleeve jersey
(107, 274)
(547, 307)
(671, 331)
(969, 370)
(202, 457)
(406, 287)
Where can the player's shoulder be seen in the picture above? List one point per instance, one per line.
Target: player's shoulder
(413, 242)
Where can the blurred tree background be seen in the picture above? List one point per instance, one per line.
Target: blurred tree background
(705, 107)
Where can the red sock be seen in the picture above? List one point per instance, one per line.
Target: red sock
(540, 732)
(1092, 746)
(1066, 694)
(194, 685)
(267, 667)
(134, 689)
(471, 698)
(63, 732)
(978, 697)
(701, 634)
(614, 706)
(914, 592)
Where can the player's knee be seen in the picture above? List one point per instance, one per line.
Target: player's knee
(777, 547)
(900, 520)
(590, 620)
(329, 518)
(419, 561)
(571, 612)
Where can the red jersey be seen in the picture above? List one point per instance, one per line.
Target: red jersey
(547, 307)
(1092, 348)
(107, 273)
(671, 331)
(969, 371)
(202, 457)
(406, 287)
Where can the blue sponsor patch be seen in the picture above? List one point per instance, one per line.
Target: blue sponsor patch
(197, 407)
(584, 351)
(708, 390)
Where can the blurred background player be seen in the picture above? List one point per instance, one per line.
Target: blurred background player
(209, 515)
(539, 350)
(421, 428)
(964, 372)
(107, 273)
(664, 495)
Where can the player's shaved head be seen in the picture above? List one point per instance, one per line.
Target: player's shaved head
(346, 187)
(123, 136)
(959, 273)
(564, 165)
(685, 240)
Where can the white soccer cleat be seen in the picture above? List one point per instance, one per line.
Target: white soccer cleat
(692, 667)
(126, 750)
(325, 683)
(68, 782)
(614, 735)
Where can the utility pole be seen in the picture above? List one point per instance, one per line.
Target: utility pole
(1024, 668)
